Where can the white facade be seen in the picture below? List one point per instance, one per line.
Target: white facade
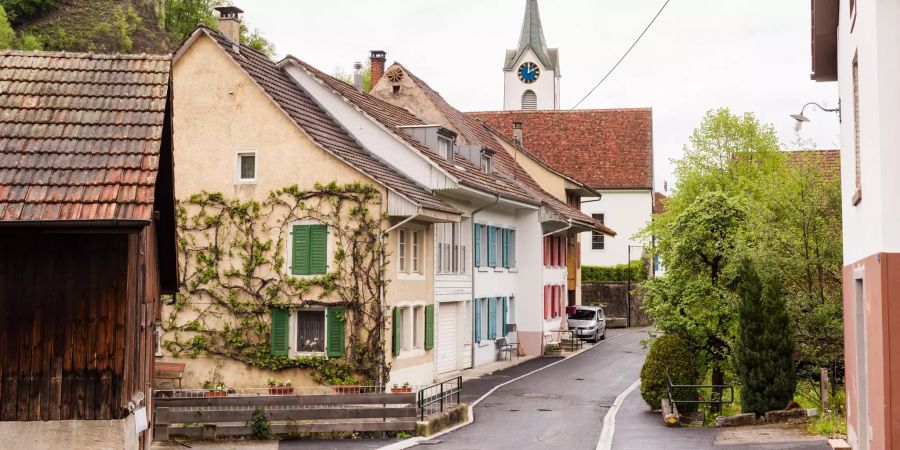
(626, 212)
(546, 88)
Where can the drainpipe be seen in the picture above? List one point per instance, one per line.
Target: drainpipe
(476, 211)
(381, 264)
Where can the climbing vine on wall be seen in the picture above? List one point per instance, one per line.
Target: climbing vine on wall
(233, 272)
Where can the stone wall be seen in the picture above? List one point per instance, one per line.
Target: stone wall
(613, 297)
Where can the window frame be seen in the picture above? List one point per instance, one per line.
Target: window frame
(238, 166)
(401, 250)
(294, 332)
(596, 234)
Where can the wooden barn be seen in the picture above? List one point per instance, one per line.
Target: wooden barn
(87, 245)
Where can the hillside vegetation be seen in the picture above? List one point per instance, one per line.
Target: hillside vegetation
(109, 26)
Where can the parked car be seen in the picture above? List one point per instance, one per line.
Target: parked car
(588, 323)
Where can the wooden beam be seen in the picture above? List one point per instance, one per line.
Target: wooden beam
(197, 416)
(291, 400)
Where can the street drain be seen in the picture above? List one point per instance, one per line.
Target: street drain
(514, 410)
(545, 410)
(579, 379)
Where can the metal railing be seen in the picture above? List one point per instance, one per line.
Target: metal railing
(439, 397)
(697, 397)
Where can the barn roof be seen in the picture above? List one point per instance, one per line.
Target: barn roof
(80, 135)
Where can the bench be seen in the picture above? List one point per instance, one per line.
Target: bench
(169, 371)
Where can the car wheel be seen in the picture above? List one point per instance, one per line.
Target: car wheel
(603, 336)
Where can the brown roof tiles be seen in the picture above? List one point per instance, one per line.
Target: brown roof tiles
(80, 135)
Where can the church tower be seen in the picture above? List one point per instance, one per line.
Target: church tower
(531, 72)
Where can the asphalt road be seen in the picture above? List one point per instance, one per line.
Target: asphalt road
(560, 407)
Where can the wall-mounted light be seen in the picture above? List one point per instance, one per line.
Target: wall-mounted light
(800, 118)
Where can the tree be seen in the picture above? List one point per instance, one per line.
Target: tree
(180, 17)
(20, 10)
(348, 78)
(763, 350)
(7, 35)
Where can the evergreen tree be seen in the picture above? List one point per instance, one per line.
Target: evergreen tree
(763, 351)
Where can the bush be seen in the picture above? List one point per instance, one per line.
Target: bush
(614, 273)
(260, 426)
(669, 355)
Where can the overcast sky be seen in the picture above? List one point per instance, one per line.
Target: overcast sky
(748, 55)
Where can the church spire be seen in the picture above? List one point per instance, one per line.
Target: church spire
(532, 31)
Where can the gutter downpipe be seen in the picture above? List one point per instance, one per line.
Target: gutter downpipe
(476, 211)
(381, 264)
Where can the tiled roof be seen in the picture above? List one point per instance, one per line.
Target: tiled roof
(659, 203)
(476, 132)
(80, 135)
(828, 161)
(604, 149)
(394, 117)
(310, 117)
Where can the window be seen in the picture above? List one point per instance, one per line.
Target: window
(415, 252)
(598, 240)
(309, 249)
(445, 148)
(857, 196)
(450, 253)
(310, 331)
(481, 240)
(401, 250)
(486, 163)
(491, 246)
(508, 247)
(529, 100)
(246, 167)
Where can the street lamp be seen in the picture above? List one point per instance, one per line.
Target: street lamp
(800, 118)
(628, 269)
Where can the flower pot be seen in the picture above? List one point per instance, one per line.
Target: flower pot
(209, 394)
(281, 390)
(400, 390)
(553, 353)
(347, 389)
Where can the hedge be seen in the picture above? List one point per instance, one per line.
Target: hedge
(614, 273)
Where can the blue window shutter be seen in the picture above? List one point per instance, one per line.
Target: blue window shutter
(506, 248)
(492, 318)
(492, 246)
(477, 245)
(477, 325)
(300, 249)
(318, 246)
(504, 317)
(335, 323)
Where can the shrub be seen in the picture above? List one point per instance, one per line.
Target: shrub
(260, 426)
(669, 355)
(614, 273)
(763, 351)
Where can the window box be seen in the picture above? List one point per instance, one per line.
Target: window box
(217, 393)
(349, 389)
(281, 390)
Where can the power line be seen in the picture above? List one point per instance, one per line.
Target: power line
(623, 56)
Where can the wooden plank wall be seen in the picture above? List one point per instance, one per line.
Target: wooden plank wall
(65, 309)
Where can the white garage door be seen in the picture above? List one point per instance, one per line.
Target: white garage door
(447, 337)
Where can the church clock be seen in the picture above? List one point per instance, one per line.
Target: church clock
(529, 72)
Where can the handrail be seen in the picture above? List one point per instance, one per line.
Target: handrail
(670, 387)
(447, 389)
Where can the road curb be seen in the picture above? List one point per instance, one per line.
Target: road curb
(412, 442)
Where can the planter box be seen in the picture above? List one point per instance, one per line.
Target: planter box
(553, 353)
(215, 394)
(281, 390)
(400, 390)
(347, 389)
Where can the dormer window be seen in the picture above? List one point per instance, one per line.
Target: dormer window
(445, 148)
(487, 162)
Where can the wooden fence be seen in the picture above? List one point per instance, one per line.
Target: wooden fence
(289, 414)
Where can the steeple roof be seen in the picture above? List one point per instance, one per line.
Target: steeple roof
(532, 36)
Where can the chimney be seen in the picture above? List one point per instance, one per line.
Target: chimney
(357, 76)
(230, 22)
(377, 60)
(517, 132)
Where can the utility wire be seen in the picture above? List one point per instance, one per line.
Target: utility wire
(623, 56)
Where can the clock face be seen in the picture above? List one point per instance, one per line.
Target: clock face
(529, 72)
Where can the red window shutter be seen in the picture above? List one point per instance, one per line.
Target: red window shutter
(565, 251)
(553, 301)
(546, 303)
(560, 302)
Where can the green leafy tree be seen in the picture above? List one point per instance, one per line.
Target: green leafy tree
(20, 10)
(255, 40)
(7, 35)
(763, 351)
(348, 77)
(180, 17)
(670, 356)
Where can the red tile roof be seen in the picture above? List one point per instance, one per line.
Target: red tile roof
(828, 161)
(324, 130)
(80, 135)
(602, 148)
(659, 203)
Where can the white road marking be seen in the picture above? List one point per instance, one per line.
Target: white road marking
(609, 422)
(413, 441)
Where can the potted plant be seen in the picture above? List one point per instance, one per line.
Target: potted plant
(214, 389)
(347, 386)
(280, 387)
(397, 389)
(552, 350)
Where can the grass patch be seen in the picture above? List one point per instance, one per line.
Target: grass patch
(829, 425)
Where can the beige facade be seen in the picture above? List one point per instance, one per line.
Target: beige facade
(220, 114)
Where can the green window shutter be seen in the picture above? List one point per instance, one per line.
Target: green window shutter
(397, 329)
(477, 245)
(429, 327)
(504, 318)
(300, 249)
(477, 325)
(492, 246)
(335, 325)
(492, 318)
(278, 338)
(318, 245)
